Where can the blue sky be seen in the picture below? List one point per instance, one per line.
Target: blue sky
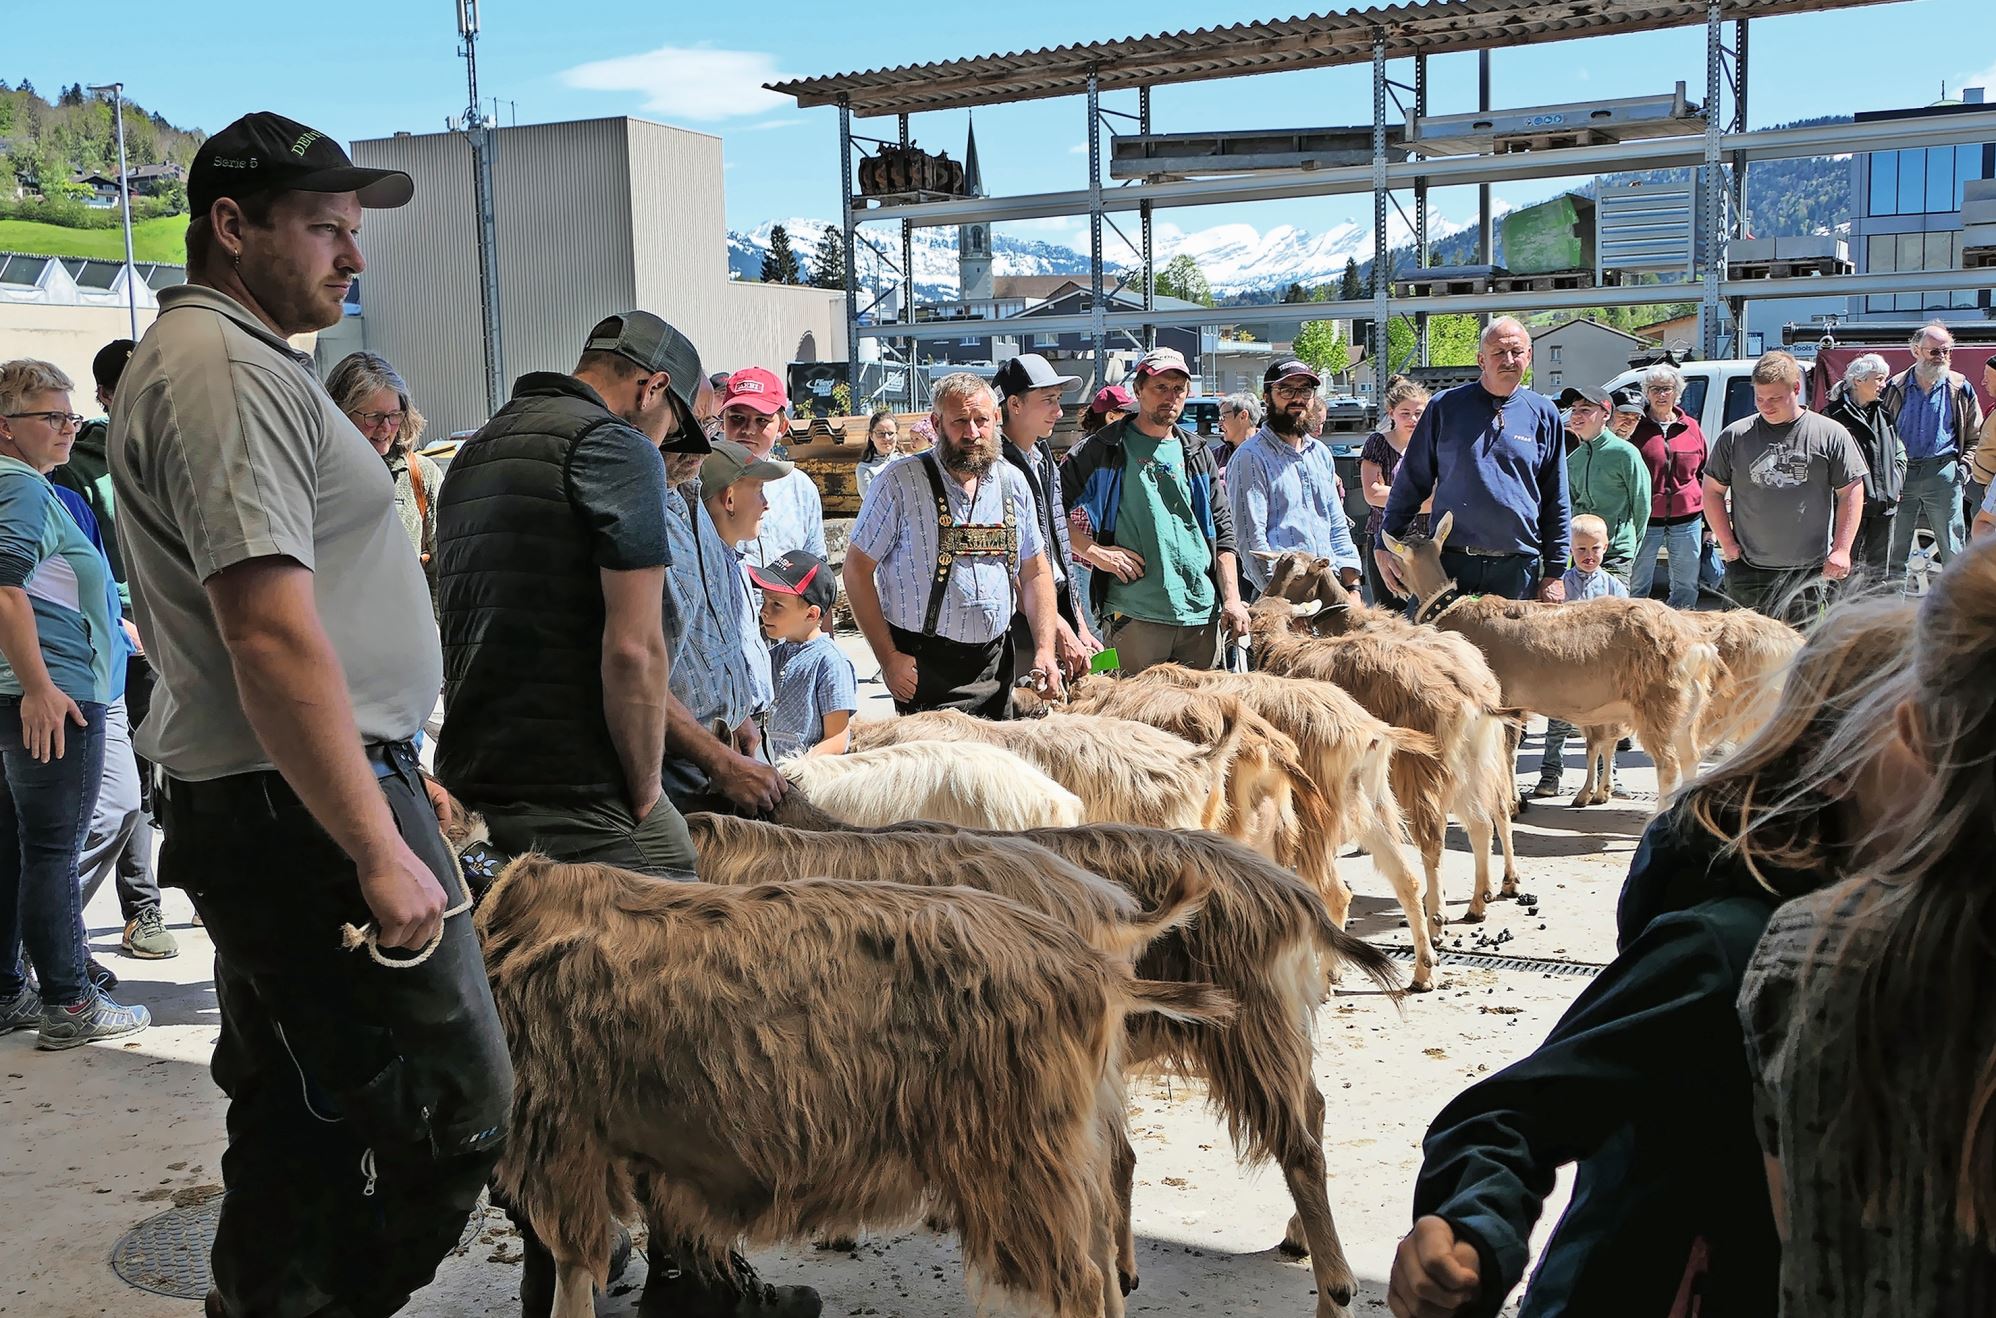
(370, 67)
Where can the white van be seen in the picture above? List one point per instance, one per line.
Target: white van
(1716, 393)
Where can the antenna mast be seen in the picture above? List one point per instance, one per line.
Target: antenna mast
(479, 132)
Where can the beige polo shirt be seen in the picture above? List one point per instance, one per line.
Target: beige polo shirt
(224, 448)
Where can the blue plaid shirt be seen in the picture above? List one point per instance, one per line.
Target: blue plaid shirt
(1926, 419)
(720, 665)
(1283, 499)
(795, 520)
(813, 679)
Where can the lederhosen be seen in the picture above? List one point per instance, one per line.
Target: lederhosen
(973, 677)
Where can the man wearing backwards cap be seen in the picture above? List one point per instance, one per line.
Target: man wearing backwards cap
(1283, 483)
(1029, 392)
(271, 579)
(1605, 476)
(754, 414)
(1148, 518)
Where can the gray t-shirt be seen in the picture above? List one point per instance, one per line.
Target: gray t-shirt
(1784, 482)
(224, 448)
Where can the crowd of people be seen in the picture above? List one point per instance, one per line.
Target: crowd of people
(624, 597)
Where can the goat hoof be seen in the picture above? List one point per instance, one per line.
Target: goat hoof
(1293, 1249)
(838, 1244)
(1421, 986)
(1126, 1280)
(1474, 916)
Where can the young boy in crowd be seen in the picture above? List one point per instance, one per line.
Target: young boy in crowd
(1586, 579)
(816, 692)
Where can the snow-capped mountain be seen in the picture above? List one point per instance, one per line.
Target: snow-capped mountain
(1234, 257)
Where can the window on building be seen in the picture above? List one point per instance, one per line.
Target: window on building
(1884, 183)
(1912, 181)
(1943, 194)
(1556, 351)
(1557, 378)
(968, 341)
(1046, 340)
(1922, 182)
(1893, 253)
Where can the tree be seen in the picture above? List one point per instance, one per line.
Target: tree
(828, 263)
(71, 95)
(1349, 287)
(1322, 345)
(1452, 341)
(779, 263)
(1296, 293)
(1182, 278)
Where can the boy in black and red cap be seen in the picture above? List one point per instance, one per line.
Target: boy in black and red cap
(816, 691)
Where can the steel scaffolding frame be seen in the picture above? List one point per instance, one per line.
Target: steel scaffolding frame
(1721, 154)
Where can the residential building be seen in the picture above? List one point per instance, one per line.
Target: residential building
(1907, 215)
(1580, 352)
(63, 309)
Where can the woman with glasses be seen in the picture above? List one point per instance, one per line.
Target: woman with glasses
(62, 658)
(375, 399)
(882, 438)
(1673, 448)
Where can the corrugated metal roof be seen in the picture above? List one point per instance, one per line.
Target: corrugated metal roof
(1270, 46)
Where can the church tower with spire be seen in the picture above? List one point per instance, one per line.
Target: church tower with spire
(973, 241)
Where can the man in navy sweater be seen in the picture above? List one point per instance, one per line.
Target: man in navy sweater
(1492, 453)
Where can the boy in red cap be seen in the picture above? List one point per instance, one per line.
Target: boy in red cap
(816, 690)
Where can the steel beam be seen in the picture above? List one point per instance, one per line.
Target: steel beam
(907, 285)
(846, 242)
(1711, 180)
(1420, 213)
(1382, 278)
(1097, 324)
(1144, 214)
(1290, 315)
(1457, 171)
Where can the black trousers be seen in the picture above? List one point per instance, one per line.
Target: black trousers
(1871, 552)
(1796, 596)
(367, 1105)
(976, 679)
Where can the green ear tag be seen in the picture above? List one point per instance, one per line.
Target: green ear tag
(1105, 661)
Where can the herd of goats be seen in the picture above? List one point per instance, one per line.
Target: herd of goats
(919, 991)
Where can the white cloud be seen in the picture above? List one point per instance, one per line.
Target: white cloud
(1078, 149)
(769, 123)
(1986, 78)
(682, 82)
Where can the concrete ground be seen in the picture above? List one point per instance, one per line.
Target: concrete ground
(104, 1137)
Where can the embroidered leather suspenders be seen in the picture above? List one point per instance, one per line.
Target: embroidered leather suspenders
(988, 540)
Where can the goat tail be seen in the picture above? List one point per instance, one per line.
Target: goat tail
(1406, 741)
(1338, 950)
(1218, 760)
(1183, 896)
(1188, 1004)
(1490, 736)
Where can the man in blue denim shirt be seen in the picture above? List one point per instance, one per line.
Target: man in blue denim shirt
(1494, 454)
(1937, 416)
(1283, 485)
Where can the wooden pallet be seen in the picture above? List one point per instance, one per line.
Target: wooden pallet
(1788, 269)
(1441, 287)
(1539, 283)
(860, 199)
(1558, 141)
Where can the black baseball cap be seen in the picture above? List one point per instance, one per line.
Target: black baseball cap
(1629, 399)
(797, 573)
(1029, 371)
(1287, 367)
(657, 346)
(1585, 393)
(265, 152)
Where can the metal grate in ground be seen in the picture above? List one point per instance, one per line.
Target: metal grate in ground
(168, 1254)
(1493, 961)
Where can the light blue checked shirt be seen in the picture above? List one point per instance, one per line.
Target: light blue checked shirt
(1283, 499)
(1591, 585)
(795, 520)
(897, 529)
(813, 679)
(720, 665)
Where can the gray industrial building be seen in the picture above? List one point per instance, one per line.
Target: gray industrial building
(593, 216)
(1906, 216)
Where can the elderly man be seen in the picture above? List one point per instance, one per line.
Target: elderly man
(1858, 405)
(1938, 418)
(720, 666)
(1605, 476)
(1240, 417)
(1492, 453)
(1029, 391)
(1796, 485)
(1282, 487)
(266, 563)
(1151, 524)
(946, 548)
(754, 414)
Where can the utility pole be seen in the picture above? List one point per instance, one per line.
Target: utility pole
(117, 90)
(478, 131)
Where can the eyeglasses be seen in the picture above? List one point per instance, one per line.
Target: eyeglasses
(55, 420)
(1294, 390)
(1938, 350)
(1661, 389)
(371, 420)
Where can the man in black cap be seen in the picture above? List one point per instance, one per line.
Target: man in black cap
(1029, 391)
(270, 572)
(552, 590)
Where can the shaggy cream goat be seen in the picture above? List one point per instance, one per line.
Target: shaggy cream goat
(972, 785)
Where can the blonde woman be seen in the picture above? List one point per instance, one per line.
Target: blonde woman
(1377, 461)
(1644, 1081)
(1870, 1008)
(373, 396)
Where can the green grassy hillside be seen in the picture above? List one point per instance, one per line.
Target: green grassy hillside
(162, 239)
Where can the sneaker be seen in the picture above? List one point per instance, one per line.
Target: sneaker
(100, 975)
(96, 1017)
(1547, 785)
(21, 1010)
(147, 937)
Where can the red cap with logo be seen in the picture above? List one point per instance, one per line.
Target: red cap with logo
(756, 389)
(1159, 360)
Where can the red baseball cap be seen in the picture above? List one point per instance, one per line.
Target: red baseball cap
(1112, 398)
(1160, 360)
(754, 388)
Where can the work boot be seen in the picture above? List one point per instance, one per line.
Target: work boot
(147, 937)
(96, 1017)
(1547, 785)
(673, 1293)
(21, 1011)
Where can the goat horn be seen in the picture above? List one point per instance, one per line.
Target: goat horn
(1266, 555)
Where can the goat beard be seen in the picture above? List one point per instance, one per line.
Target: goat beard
(973, 457)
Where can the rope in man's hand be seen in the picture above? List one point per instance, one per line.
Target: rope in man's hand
(369, 937)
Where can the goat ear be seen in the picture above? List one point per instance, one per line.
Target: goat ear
(1442, 528)
(1393, 546)
(1266, 555)
(1306, 609)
